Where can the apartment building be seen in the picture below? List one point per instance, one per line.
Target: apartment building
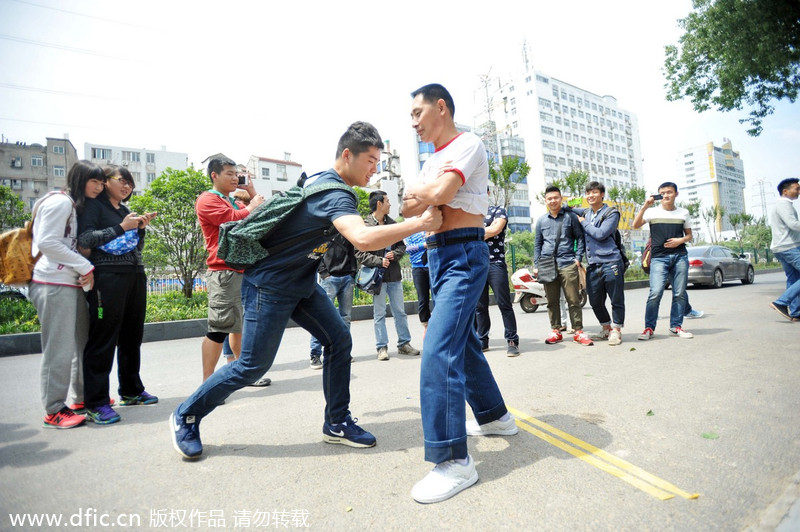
(713, 176)
(271, 176)
(32, 170)
(144, 164)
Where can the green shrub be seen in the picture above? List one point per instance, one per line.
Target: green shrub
(172, 306)
(18, 316)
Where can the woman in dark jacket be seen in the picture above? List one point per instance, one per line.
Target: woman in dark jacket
(117, 303)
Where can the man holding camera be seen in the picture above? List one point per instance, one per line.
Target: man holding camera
(669, 262)
(215, 207)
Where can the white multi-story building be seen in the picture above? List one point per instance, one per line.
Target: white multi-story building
(33, 170)
(271, 176)
(565, 128)
(713, 176)
(144, 164)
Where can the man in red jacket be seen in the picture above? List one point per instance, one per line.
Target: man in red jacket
(215, 207)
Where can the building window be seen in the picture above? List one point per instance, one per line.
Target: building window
(37, 160)
(280, 169)
(151, 176)
(101, 153)
(58, 149)
(59, 171)
(151, 158)
(265, 173)
(131, 156)
(16, 162)
(547, 130)
(542, 79)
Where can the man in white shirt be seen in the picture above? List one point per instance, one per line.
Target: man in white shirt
(786, 246)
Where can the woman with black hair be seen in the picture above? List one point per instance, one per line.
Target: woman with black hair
(117, 303)
(56, 293)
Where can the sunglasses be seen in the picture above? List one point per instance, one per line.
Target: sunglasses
(124, 182)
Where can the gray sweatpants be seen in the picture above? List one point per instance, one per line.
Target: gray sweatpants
(64, 317)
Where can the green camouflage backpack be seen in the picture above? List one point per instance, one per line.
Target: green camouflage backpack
(243, 243)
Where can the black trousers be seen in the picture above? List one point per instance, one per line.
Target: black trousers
(117, 307)
(422, 282)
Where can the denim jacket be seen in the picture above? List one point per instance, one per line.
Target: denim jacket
(599, 234)
(570, 244)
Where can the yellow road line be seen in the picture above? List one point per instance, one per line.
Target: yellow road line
(605, 461)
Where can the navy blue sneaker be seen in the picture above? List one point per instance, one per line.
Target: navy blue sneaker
(185, 432)
(347, 433)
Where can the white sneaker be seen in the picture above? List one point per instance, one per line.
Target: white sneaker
(383, 353)
(680, 333)
(496, 427)
(444, 481)
(615, 338)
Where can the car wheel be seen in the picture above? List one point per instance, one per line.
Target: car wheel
(528, 303)
(718, 280)
(750, 276)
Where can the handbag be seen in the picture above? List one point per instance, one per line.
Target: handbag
(370, 279)
(124, 243)
(548, 269)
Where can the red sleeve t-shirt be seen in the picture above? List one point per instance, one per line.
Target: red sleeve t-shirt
(213, 210)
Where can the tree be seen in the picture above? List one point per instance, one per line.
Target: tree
(712, 216)
(740, 219)
(12, 210)
(502, 177)
(735, 53)
(363, 202)
(175, 239)
(757, 235)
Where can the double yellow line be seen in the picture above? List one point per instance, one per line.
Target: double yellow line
(609, 463)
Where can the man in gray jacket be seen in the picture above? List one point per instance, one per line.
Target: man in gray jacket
(786, 246)
(389, 259)
(605, 275)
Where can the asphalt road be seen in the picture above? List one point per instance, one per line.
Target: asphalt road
(614, 438)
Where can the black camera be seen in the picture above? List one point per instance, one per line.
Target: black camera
(242, 179)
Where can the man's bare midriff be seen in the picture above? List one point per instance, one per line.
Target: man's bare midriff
(457, 219)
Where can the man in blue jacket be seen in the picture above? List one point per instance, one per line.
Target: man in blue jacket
(605, 275)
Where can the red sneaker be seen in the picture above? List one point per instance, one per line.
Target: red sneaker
(554, 337)
(582, 338)
(63, 419)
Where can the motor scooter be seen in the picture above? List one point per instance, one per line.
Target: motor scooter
(529, 292)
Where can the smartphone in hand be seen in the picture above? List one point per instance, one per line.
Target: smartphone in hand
(657, 197)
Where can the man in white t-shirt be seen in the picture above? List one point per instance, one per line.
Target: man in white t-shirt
(669, 262)
(453, 370)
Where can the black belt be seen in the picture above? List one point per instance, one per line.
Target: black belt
(441, 242)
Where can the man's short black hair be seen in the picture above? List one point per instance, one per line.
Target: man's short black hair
(374, 197)
(595, 185)
(551, 188)
(668, 184)
(359, 137)
(786, 183)
(434, 92)
(217, 164)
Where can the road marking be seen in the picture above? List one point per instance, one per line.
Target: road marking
(607, 462)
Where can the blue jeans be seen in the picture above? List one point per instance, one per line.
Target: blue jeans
(266, 314)
(340, 288)
(395, 292)
(675, 270)
(790, 260)
(453, 368)
(607, 279)
(498, 280)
